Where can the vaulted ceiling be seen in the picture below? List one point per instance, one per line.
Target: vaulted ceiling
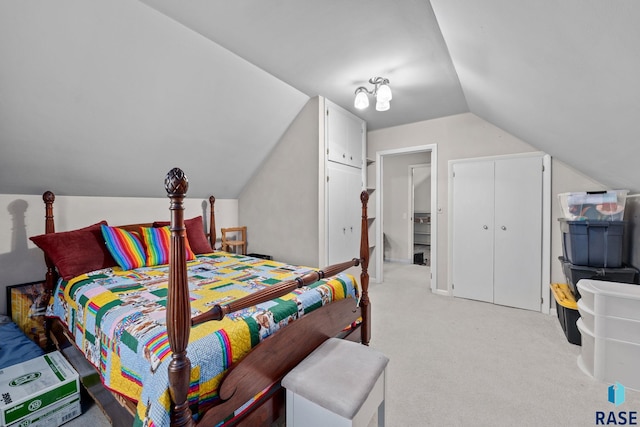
(96, 96)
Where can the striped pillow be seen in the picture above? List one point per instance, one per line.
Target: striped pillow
(157, 241)
(125, 247)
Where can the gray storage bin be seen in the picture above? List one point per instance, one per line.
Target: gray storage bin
(593, 243)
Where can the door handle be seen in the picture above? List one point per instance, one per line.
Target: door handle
(485, 227)
(503, 227)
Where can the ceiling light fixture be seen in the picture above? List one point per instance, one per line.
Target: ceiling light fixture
(381, 91)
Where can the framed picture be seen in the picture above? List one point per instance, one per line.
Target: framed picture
(27, 305)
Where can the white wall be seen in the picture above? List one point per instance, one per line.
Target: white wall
(468, 136)
(280, 204)
(422, 189)
(22, 216)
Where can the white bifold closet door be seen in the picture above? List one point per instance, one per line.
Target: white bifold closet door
(497, 231)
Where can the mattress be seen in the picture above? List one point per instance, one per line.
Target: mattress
(117, 318)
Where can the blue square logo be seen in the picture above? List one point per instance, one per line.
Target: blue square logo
(616, 394)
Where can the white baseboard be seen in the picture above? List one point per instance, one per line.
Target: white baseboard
(401, 261)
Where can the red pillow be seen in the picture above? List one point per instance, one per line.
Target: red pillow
(76, 252)
(195, 234)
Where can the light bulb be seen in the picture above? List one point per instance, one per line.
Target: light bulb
(384, 93)
(362, 100)
(382, 106)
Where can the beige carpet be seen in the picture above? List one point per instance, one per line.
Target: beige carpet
(456, 362)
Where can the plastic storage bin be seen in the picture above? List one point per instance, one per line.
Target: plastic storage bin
(610, 327)
(608, 359)
(594, 205)
(567, 310)
(611, 299)
(574, 273)
(593, 243)
(585, 358)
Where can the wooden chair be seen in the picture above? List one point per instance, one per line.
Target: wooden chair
(234, 237)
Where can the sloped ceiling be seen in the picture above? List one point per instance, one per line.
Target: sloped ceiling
(561, 75)
(101, 98)
(331, 47)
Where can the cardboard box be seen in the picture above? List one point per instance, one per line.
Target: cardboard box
(35, 385)
(54, 415)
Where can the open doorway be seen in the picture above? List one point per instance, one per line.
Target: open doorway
(394, 209)
(419, 230)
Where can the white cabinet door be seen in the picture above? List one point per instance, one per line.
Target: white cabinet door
(473, 206)
(343, 212)
(497, 231)
(345, 136)
(518, 233)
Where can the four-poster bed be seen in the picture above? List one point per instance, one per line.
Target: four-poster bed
(324, 303)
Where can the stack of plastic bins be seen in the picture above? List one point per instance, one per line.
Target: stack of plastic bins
(593, 233)
(610, 327)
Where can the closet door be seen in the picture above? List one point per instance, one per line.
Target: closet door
(343, 212)
(518, 232)
(497, 231)
(473, 201)
(345, 136)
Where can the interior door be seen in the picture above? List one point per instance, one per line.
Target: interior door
(518, 232)
(343, 212)
(473, 202)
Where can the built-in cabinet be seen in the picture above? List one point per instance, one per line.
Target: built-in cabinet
(303, 204)
(497, 220)
(345, 135)
(345, 142)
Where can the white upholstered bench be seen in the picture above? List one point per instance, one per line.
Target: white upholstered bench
(341, 383)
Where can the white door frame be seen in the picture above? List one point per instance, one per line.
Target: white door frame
(545, 290)
(380, 155)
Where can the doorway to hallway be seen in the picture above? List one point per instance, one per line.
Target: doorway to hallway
(395, 208)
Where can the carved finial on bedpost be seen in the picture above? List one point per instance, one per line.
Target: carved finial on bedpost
(49, 227)
(178, 307)
(212, 223)
(364, 275)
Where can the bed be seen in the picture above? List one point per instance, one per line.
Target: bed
(189, 336)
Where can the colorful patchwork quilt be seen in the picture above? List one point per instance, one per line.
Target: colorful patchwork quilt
(118, 319)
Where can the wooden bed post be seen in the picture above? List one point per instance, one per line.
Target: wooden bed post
(364, 276)
(178, 306)
(212, 223)
(49, 227)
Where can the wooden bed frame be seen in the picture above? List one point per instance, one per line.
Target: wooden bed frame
(264, 366)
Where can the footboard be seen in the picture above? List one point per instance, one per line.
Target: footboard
(270, 360)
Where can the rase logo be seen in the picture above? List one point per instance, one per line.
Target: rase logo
(616, 396)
